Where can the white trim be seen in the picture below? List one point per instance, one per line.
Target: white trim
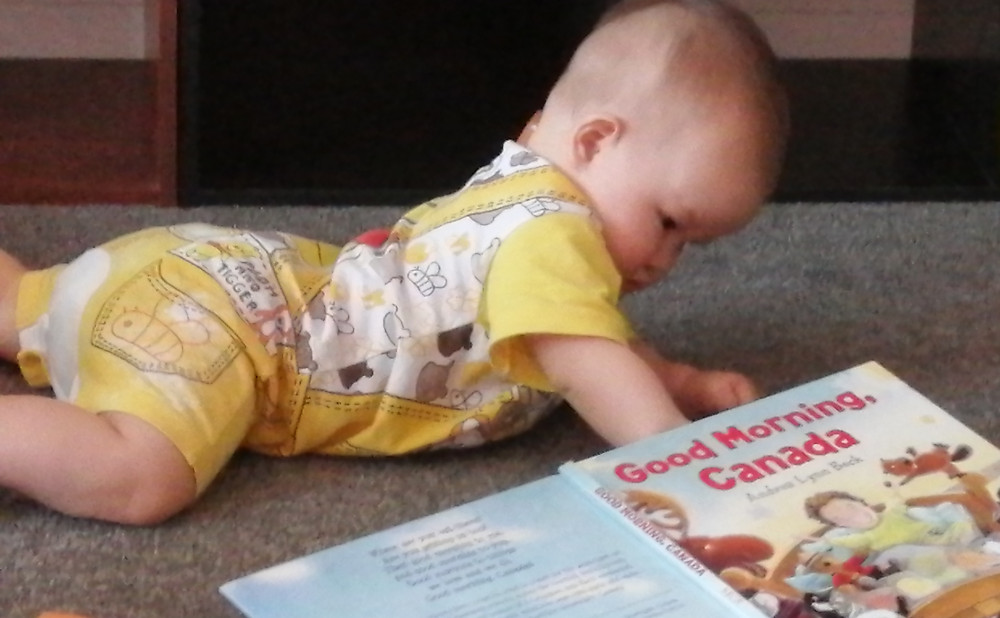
(797, 28)
(836, 28)
(827, 7)
(839, 36)
(78, 29)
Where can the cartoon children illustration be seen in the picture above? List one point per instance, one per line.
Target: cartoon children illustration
(861, 528)
(894, 557)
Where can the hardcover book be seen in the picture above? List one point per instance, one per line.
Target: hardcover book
(850, 496)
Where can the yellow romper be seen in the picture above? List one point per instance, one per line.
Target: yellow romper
(225, 338)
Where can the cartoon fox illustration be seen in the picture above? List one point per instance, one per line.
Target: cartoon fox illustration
(938, 459)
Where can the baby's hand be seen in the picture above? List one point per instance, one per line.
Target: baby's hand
(708, 392)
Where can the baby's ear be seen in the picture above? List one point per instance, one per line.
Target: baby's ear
(595, 134)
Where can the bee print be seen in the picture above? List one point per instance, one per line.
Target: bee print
(427, 279)
(163, 334)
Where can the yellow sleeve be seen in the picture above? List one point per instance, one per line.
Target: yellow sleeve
(550, 276)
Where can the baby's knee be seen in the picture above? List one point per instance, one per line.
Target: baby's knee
(140, 496)
(157, 483)
(151, 505)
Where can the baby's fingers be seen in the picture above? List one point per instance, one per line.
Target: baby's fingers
(743, 389)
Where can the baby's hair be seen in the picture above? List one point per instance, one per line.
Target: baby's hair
(734, 20)
(679, 39)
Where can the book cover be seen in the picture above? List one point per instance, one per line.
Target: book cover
(852, 496)
(849, 496)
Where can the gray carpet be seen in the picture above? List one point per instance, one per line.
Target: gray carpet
(807, 290)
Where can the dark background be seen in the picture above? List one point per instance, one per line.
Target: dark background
(311, 101)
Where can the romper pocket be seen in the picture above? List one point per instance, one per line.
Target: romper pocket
(156, 327)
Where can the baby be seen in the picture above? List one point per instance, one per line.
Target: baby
(478, 312)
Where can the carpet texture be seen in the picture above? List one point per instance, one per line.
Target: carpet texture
(806, 290)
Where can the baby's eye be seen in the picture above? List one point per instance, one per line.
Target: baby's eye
(668, 223)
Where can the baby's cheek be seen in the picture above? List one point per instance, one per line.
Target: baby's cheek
(626, 256)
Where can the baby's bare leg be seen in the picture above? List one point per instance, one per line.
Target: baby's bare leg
(10, 275)
(110, 466)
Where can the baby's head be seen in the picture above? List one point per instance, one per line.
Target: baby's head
(671, 117)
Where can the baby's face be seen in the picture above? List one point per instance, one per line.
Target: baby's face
(657, 191)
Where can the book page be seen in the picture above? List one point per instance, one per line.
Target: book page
(539, 550)
(850, 494)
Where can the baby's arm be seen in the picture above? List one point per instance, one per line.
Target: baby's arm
(621, 391)
(610, 386)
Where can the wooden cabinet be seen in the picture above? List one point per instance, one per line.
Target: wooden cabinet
(76, 131)
(388, 102)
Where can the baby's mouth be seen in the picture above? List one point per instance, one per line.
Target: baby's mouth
(639, 279)
(633, 284)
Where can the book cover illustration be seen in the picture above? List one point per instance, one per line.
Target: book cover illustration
(849, 497)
